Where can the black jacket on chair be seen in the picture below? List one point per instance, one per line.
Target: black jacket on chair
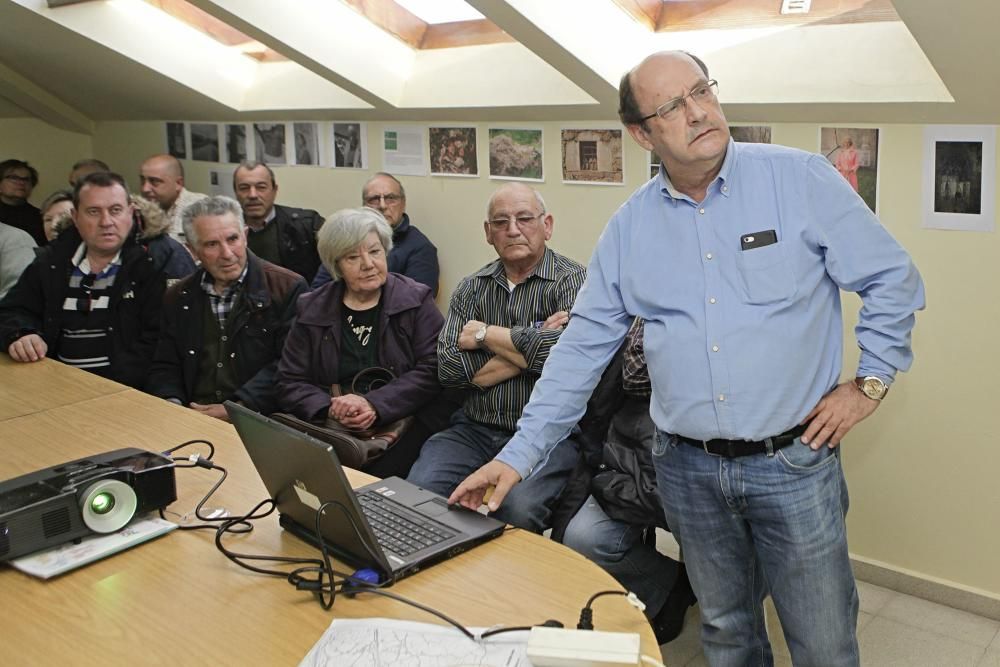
(260, 321)
(297, 229)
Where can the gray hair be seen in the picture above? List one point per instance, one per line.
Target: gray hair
(364, 188)
(508, 186)
(345, 230)
(209, 206)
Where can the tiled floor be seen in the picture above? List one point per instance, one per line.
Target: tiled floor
(894, 630)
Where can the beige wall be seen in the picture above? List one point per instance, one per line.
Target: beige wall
(49, 150)
(922, 470)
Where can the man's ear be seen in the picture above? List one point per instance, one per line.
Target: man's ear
(638, 132)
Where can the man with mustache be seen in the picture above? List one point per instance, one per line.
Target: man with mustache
(224, 326)
(501, 324)
(282, 235)
(734, 255)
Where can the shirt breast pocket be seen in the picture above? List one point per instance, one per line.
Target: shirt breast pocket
(766, 274)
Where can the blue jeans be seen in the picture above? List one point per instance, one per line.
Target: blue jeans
(451, 455)
(618, 548)
(758, 524)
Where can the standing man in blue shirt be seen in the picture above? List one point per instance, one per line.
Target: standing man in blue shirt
(735, 255)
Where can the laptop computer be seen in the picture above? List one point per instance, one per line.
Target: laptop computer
(392, 525)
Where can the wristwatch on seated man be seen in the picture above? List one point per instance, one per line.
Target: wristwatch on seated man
(481, 335)
(871, 386)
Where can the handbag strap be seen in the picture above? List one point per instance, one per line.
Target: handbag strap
(376, 376)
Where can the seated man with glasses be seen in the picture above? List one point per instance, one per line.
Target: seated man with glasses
(92, 297)
(17, 180)
(282, 235)
(501, 324)
(412, 255)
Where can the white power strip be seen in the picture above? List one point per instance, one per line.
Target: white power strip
(560, 647)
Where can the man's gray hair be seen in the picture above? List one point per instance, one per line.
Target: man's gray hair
(209, 206)
(345, 230)
(508, 186)
(377, 174)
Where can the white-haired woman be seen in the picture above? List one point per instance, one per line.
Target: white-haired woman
(367, 317)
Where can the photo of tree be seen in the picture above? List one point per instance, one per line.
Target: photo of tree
(516, 154)
(751, 134)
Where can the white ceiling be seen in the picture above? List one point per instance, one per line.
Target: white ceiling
(126, 60)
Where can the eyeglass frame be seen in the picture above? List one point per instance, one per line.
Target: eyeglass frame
(391, 198)
(519, 221)
(681, 101)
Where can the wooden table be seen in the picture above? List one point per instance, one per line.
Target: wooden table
(178, 601)
(29, 388)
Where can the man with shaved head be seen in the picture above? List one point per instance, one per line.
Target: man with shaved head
(734, 256)
(502, 322)
(161, 179)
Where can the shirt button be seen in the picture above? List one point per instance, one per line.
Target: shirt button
(715, 348)
(219, 365)
(702, 211)
(225, 338)
(712, 300)
(190, 351)
(725, 188)
(708, 255)
(185, 307)
(722, 397)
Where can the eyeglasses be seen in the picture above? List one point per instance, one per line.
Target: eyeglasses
(15, 177)
(523, 220)
(390, 199)
(702, 94)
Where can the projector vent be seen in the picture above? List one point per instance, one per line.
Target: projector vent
(795, 6)
(56, 522)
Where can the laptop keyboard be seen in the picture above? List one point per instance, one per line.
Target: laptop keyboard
(396, 532)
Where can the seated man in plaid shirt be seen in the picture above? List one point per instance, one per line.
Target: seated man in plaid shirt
(224, 326)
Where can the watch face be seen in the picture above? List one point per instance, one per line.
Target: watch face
(873, 387)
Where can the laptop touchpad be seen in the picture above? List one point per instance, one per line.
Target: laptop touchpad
(433, 507)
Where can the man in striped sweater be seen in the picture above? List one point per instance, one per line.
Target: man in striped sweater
(501, 324)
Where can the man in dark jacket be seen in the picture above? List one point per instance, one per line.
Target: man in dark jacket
(281, 235)
(223, 327)
(612, 499)
(412, 255)
(92, 298)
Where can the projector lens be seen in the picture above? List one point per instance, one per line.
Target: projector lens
(102, 503)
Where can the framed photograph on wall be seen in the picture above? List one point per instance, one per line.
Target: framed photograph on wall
(959, 176)
(176, 141)
(593, 156)
(205, 142)
(350, 148)
(516, 154)
(751, 134)
(854, 152)
(236, 143)
(270, 143)
(453, 151)
(306, 143)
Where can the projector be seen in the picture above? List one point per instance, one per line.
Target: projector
(97, 494)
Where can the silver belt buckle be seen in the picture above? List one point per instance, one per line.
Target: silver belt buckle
(704, 445)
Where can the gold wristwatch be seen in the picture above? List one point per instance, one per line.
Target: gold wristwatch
(872, 387)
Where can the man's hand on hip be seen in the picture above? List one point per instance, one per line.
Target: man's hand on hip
(836, 414)
(472, 492)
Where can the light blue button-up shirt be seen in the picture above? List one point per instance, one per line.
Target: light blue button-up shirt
(740, 343)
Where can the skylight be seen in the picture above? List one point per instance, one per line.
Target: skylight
(441, 11)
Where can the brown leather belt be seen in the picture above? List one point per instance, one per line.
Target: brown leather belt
(732, 449)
